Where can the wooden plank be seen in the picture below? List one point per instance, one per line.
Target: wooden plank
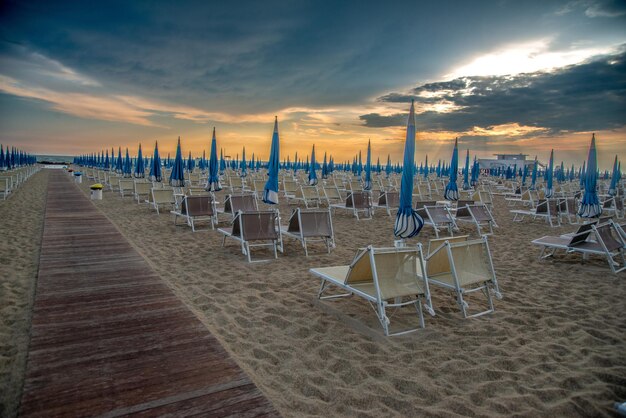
(109, 338)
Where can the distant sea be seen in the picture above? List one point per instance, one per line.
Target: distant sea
(55, 158)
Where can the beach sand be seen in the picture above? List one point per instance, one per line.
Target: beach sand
(21, 226)
(553, 347)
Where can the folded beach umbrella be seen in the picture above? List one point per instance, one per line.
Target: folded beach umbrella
(155, 168)
(140, 168)
(312, 173)
(524, 174)
(452, 191)
(614, 179)
(475, 173)
(426, 168)
(368, 168)
(222, 161)
(127, 170)
(408, 221)
(190, 163)
(378, 165)
(106, 165)
(583, 174)
(359, 167)
(466, 185)
(295, 164)
(242, 165)
(213, 184)
(119, 162)
(270, 193)
(324, 168)
(177, 177)
(590, 205)
(549, 175)
(2, 160)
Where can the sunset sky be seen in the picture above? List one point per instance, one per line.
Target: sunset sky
(503, 76)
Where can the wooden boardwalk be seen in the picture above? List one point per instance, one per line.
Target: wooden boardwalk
(109, 338)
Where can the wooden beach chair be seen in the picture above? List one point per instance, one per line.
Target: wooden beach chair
(197, 208)
(310, 225)
(464, 267)
(255, 229)
(387, 278)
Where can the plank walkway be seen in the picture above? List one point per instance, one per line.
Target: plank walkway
(110, 339)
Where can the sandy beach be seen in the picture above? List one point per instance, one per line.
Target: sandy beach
(553, 347)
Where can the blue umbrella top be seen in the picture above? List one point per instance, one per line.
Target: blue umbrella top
(270, 193)
(213, 183)
(312, 173)
(549, 175)
(368, 168)
(177, 176)
(590, 205)
(452, 191)
(140, 169)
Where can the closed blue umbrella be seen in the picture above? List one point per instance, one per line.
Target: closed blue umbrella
(452, 191)
(242, 165)
(190, 163)
(533, 181)
(590, 205)
(583, 173)
(388, 168)
(127, 169)
(214, 178)
(2, 159)
(106, 164)
(524, 174)
(408, 221)
(549, 175)
(466, 185)
(140, 169)
(426, 168)
(119, 163)
(324, 168)
(475, 173)
(614, 179)
(270, 193)
(155, 169)
(312, 171)
(368, 168)
(222, 161)
(177, 176)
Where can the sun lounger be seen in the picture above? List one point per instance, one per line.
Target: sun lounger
(357, 202)
(385, 277)
(388, 200)
(479, 215)
(563, 242)
(161, 197)
(464, 267)
(608, 243)
(546, 209)
(438, 217)
(309, 196)
(126, 186)
(142, 191)
(310, 225)
(236, 203)
(197, 208)
(332, 194)
(255, 229)
(435, 243)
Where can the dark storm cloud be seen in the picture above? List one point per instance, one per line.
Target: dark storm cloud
(589, 96)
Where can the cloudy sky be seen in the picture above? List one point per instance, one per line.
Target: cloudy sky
(503, 76)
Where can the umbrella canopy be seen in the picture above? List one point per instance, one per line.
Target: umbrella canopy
(408, 222)
(533, 181)
(242, 164)
(140, 168)
(590, 205)
(549, 175)
(106, 164)
(222, 161)
(324, 168)
(388, 168)
(155, 169)
(614, 179)
(466, 185)
(270, 193)
(475, 173)
(524, 174)
(452, 191)
(190, 163)
(312, 173)
(177, 177)
(368, 168)
(214, 178)
(127, 170)
(119, 163)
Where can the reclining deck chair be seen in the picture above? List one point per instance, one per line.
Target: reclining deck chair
(479, 215)
(310, 225)
(142, 191)
(236, 203)
(197, 208)
(309, 195)
(357, 202)
(386, 278)
(332, 194)
(438, 217)
(609, 243)
(464, 267)
(546, 208)
(563, 242)
(255, 229)
(388, 200)
(161, 197)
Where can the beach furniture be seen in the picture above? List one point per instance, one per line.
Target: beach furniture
(387, 278)
(464, 267)
(237, 203)
(310, 225)
(614, 206)
(289, 189)
(332, 194)
(388, 200)
(435, 243)
(197, 208)
(357, 202)
(605, 239)
(160, 198)
(438, 217)
(255, 229)
(126, 186)
(142, 190)
(478, 215)
(4, 187)
(546, 209)
(309, 195)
